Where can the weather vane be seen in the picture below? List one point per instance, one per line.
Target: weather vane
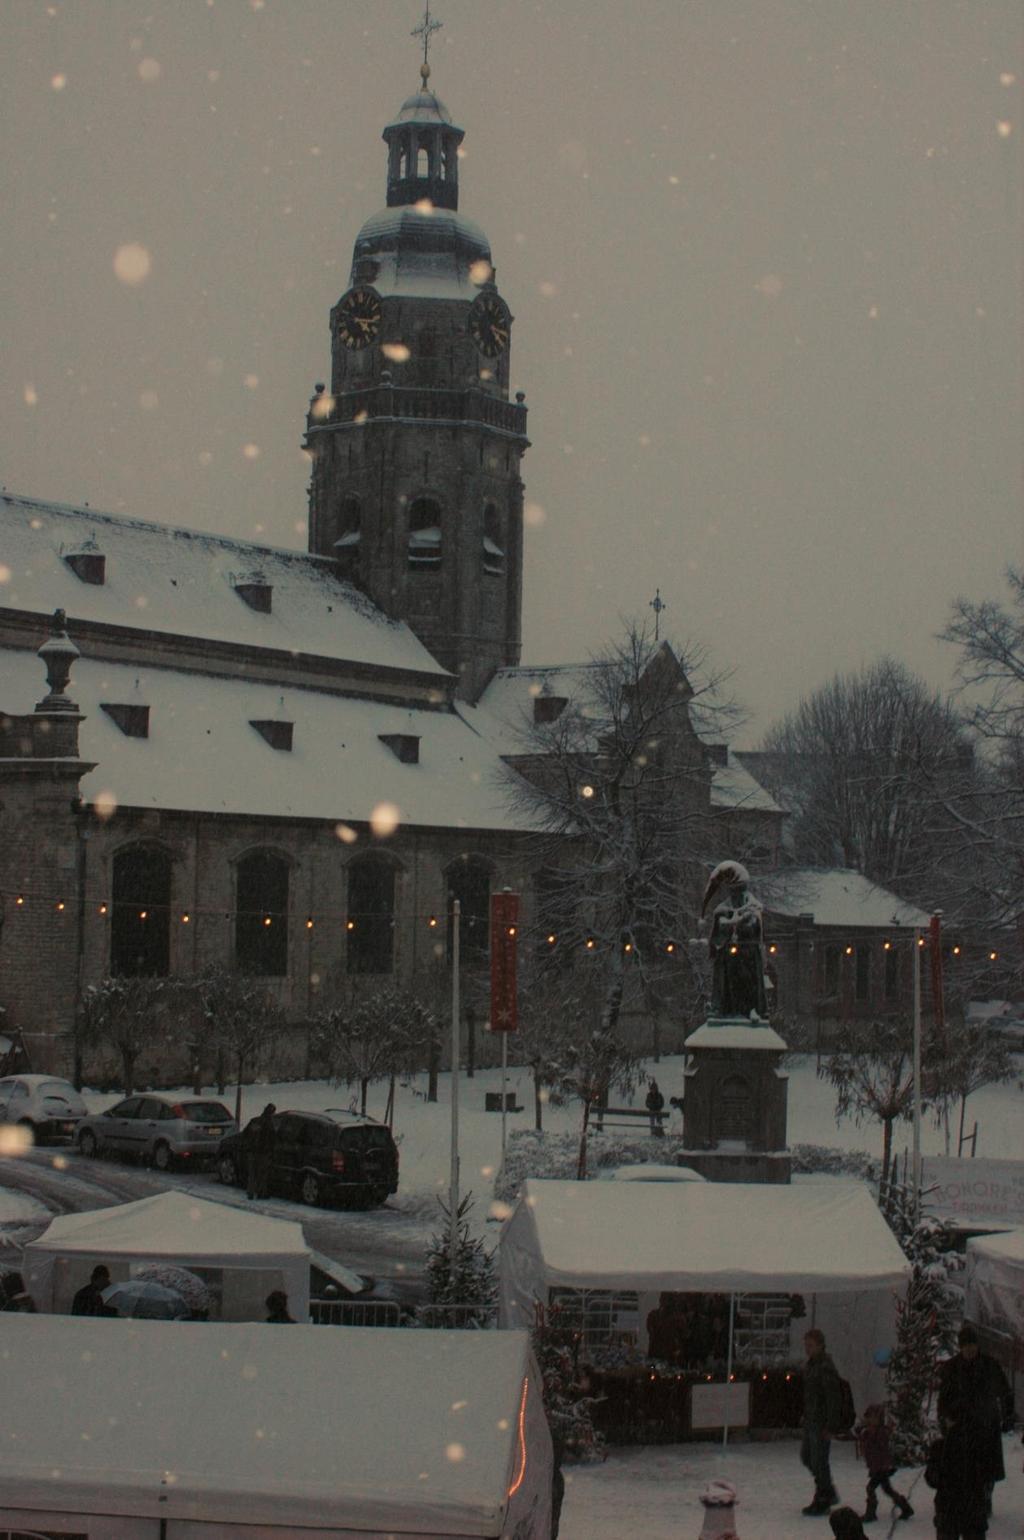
(426, 29)
(657, 604)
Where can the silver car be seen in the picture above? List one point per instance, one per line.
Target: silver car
(158, 1128)
(50, 1107)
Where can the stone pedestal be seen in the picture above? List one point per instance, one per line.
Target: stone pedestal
(734, 1107)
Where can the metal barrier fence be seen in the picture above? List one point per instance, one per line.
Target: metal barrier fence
(355, 1312)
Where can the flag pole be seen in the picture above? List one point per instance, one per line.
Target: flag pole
(453, 1184)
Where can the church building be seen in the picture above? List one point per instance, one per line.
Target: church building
(291, 763)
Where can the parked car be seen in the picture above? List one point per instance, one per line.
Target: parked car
(51, 1108)
(159, 1128)
(648, 1172)
(320, 1157)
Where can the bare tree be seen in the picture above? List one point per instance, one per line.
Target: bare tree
(869, 765)
(617, 782)
(243, 1020)
(872, 1069)
(375, 1034)
(122, 1013)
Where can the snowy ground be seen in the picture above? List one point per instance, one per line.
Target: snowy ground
(654, 1493)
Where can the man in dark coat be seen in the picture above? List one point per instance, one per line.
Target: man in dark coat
(955, 1471)
(822, 1414)
(655, 1104)
(261, 1137)
(89, 1299)
(974, 1394)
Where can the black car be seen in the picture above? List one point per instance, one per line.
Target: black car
(320, 1157)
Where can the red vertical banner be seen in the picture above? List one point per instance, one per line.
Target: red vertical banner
(504, 936)
(935, 949)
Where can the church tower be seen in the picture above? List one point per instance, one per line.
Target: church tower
(416, 448)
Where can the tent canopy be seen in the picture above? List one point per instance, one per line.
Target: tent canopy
(995, 1281)
(384, 1432)
(700, 1236)
(172, 1227)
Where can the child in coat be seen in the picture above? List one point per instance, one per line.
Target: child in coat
(873, 1438)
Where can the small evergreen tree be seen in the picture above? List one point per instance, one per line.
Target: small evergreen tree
(462, 1292)
(568, 1405)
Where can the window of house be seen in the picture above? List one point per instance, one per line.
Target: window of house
(140, 919)
(469, 881)
(370, 925)
(424, 536)
(862, 973)
(892, 973)
(494, 545)
(830, 981)
(261, 914)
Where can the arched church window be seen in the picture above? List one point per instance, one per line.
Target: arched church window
(424, 535)
(370, 925)
(734, 1110)
(494, 544)
(261, 914)
(140, 921)
(422, 162)
(347, 545)
(469, 881)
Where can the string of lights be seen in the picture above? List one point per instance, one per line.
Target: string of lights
(23, 900)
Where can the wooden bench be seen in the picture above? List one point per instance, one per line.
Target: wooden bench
(627, 1117)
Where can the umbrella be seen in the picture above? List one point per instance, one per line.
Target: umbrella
(145, 1300)
(189, 1285)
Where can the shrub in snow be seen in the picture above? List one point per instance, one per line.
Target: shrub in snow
(565, 1386)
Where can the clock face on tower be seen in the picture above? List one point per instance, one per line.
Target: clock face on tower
(358, 318)
(490, 322)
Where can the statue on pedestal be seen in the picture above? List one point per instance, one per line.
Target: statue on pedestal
(736, 945)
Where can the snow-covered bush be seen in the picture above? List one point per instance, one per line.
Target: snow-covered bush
(464, 1293)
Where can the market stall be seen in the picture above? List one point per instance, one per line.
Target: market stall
(176, 1431)
(621, 1248)
(994, 1300)
(241, 1257)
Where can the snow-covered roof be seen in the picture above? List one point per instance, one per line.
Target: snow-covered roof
(836, 896)
(202, 754)
(423, 252)
(733, 787)
(180, 582)
(174, 1224)
(422, 107)
(330, 1429)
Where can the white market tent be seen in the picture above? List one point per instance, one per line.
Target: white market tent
(822, 1240)
(241, 1256)
(994, 1283)
(153, 1428)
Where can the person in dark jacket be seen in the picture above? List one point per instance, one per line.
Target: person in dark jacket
(822, 1413)
(846, 1525)
(663, 1330)
(875, 1446)
(955, 1470)
(16, 1299)
(89, 1299)
(655, 1104)
(973, 1390)
(277, 1309)
(261, 1138)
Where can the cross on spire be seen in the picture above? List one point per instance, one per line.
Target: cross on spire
(657, 604)
(426, 29)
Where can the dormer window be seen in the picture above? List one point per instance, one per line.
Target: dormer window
(548, 708)
(404, 746)
(256, 593)
(277, 734)
(425, 550)
(132, 720)
(494, 547)
(718, 753)
(88, 564)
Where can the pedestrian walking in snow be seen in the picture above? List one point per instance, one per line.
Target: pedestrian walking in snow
(973, 1390)
(957, 1472)
(655, 1103)
(675, 1116)
(822, 1415)
(89, 1299)
(876, 1447)
(277, 1308)
(261, 1138)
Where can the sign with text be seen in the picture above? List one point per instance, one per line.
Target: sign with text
(974, 1191)
(504, 936)
(720, 1406)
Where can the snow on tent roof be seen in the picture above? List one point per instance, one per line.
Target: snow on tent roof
(836, 896)
(180, 582)
(172, 1224)
(202, 755)
(711, 1236)
(317, 1427)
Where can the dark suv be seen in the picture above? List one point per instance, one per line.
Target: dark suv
(320, 1157)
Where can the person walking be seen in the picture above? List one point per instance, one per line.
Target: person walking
(822, 1413)
(89, 1299)
(957, 1473)
(974, 1393)
(277, 1308)
(876, 1447)
(261, 1138)
(655, 1103)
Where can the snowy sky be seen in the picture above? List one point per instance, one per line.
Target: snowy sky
(764, 256)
